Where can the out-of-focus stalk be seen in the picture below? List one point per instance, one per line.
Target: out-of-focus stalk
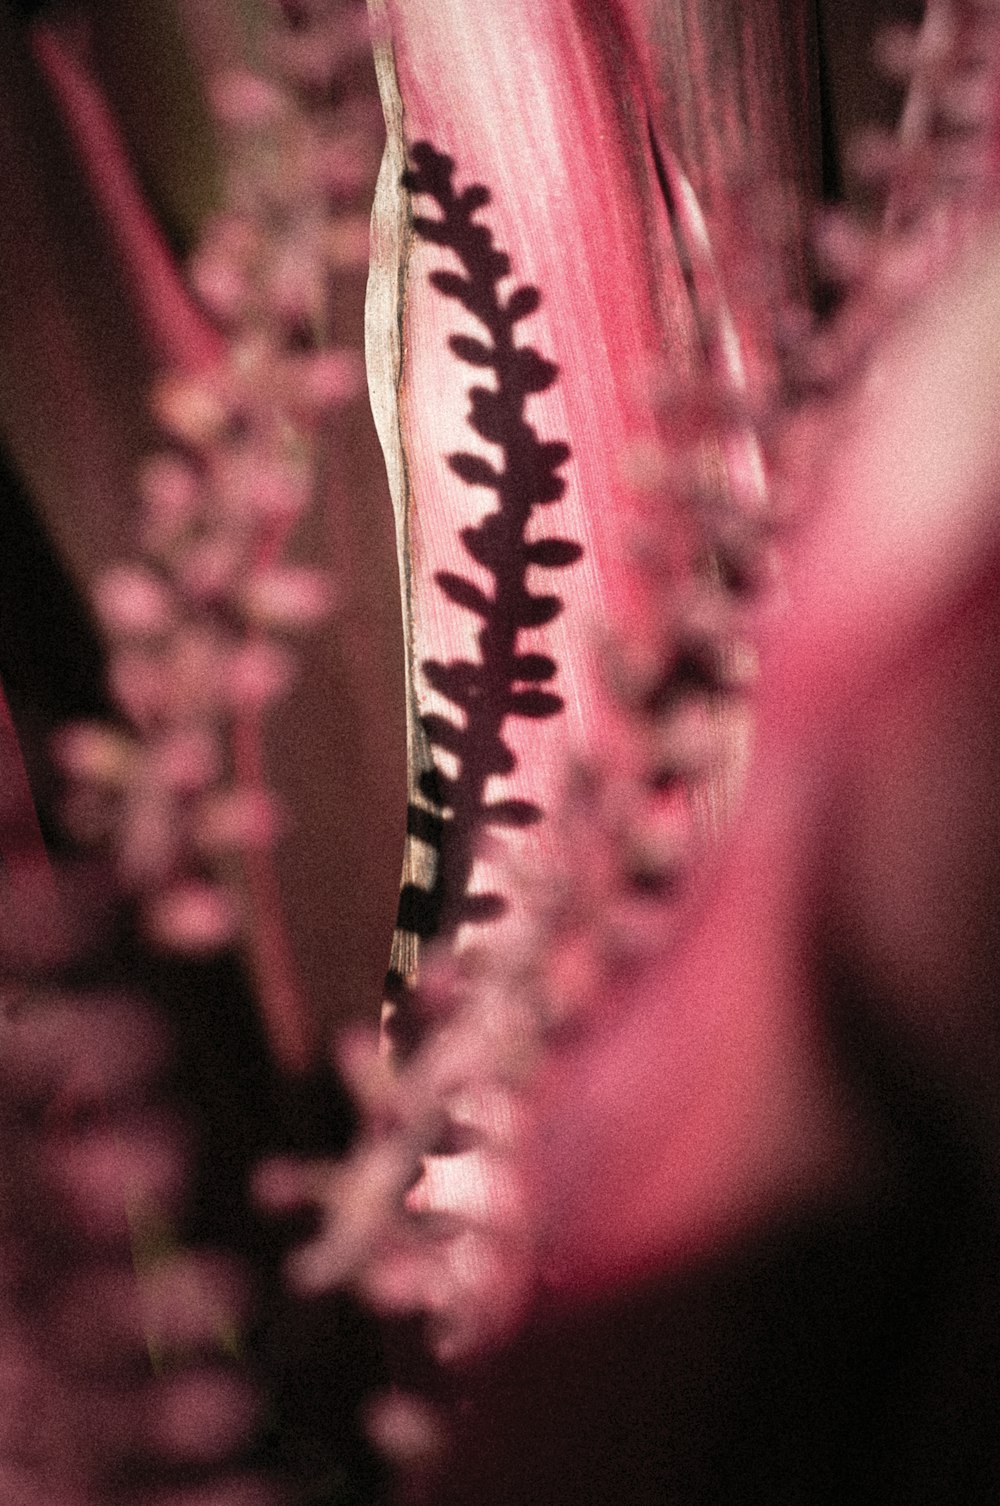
(197, 625)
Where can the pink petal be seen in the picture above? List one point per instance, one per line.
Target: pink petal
(95, 752)
(248, 101)
(132, 601)
(288, 597)
(194, 918)
(238, 820)
(256, 673)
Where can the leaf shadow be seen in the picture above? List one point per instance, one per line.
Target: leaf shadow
(523, 473)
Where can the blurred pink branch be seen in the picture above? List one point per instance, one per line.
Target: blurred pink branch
(178, 330)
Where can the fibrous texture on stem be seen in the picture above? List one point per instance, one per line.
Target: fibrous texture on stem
(573, 736)
(484, 527)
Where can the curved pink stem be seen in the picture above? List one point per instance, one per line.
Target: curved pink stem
(285, 1018)
(181, 336)
(22, 846)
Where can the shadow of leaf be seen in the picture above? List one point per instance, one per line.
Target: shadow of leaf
(504, 682)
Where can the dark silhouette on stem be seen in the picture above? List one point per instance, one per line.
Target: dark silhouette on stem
(505, 682)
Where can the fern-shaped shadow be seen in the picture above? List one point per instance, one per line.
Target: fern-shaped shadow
(505, 682)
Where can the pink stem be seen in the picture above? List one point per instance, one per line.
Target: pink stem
(182, 338)
(183, 341)
(22, 846)
(285, 1018)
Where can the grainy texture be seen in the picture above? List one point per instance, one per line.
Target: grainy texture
(543, 107)
(77, 360)
(738, 96)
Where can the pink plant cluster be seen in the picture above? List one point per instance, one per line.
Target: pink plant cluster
(204, 620)
(119, 1345)
(680, 673)
(119, 1336)
(123, 1356)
